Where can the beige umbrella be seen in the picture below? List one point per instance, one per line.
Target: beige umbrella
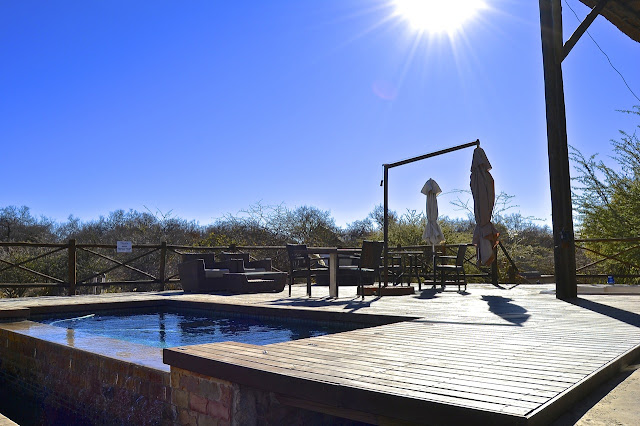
(485, 235)
(432, 232)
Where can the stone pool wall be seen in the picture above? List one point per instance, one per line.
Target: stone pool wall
(198, 400)
(87, 386)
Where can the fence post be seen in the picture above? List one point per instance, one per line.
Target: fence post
(72, 267)
(494, 267)
(163, 263)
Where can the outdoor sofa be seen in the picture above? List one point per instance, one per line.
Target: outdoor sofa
(200, 273)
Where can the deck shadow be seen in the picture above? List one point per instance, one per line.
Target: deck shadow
(430, 293)
(628, 317)
(505, 309)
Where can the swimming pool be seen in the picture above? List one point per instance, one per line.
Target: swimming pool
(87, 358)
(164, 328)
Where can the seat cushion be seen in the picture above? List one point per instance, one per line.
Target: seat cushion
(215, 273)
(348, 268)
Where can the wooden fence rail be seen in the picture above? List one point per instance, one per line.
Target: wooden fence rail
(73, 278)
(609, 255)
(104, 259)
(28, 265)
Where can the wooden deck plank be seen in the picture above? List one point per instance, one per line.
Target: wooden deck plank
(275, 360)
(414, 367)
(268, 362)
(322, 377)
(490, 353)
(432, 357)
(354, 360)
(380, 362)
(417, 353)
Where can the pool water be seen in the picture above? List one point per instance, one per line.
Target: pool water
(167, 328)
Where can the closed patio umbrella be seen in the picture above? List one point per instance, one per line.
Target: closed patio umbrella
(432, 232)
(485, 235)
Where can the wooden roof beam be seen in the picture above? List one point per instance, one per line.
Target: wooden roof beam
(582, 28)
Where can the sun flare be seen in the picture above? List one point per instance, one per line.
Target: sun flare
(438, 16)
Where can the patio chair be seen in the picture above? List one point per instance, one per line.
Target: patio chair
(456, 269)
(369, 262)
(302, 266)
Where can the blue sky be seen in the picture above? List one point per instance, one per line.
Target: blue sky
(203, 108)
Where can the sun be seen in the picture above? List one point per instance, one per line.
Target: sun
(438, 16)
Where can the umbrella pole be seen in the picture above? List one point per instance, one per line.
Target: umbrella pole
(433, 258)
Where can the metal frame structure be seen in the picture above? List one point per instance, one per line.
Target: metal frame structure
(385, 182)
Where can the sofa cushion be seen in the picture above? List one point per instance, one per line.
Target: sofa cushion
(208, 258)
(229, 256)
(215, 273)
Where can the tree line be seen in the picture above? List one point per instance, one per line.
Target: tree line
(529, 244)
(606, 198)
(606, 202)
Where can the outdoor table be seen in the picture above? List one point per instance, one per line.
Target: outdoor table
(413, 266)
(334, 264)
(414, 263)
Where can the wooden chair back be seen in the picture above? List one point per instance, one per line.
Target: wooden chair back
(298, 257)
(462, 249)
(370, 254)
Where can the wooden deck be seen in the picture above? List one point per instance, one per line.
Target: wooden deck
(487, 356)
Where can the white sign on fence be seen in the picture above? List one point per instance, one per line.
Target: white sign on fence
(123, 247)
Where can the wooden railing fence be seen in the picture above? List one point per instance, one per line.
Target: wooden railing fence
(610, 258)
(46, 265)
(72, 265)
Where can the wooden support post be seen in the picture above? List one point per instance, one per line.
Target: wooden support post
(163, 264)
(386, 229)
(561, 209)
(72, 267)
